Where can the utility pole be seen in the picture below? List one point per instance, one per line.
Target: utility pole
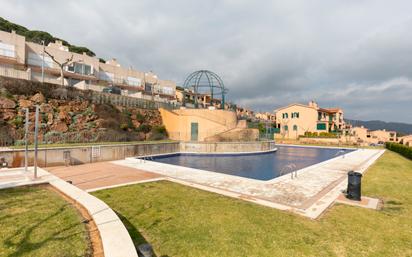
(26, 148)
(42, 64)
(36, 135)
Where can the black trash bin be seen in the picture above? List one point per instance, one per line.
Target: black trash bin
(354, 186)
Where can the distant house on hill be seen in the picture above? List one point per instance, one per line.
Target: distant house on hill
(406, 140)
(365, 135)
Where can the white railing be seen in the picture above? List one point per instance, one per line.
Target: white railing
(13, 73)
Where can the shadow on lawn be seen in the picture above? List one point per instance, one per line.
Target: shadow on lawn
(136, 236)
(25, 244)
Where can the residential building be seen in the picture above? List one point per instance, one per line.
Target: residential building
(297, 119)
(265, 116)
(188, 97)
(364, 135)
(244, 113)
(406, 140)
(24, 60)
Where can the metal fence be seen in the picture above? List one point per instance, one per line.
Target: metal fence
(54, 137)
(130, 102)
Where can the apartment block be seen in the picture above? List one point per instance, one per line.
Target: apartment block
(296, 119)
(364, 135)
(24, 60)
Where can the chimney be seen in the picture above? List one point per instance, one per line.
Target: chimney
(313, 104)
(13, 31)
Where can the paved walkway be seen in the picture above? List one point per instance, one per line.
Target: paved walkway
(100, 175)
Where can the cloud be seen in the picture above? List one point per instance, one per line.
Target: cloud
(353, 54)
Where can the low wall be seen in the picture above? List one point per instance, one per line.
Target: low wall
(228, 147)
(86, 154)
(76, 155)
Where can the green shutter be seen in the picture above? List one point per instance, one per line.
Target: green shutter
(321, 126)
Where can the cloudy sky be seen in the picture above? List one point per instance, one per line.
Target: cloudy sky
(354, 54)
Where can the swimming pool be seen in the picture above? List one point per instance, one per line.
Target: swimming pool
(263, 166)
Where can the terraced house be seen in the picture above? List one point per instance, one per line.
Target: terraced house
(26, 60)
(296, 119)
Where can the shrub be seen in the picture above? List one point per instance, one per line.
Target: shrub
(403, 150)
(321, 134)
(139, 117)
(124, 126)
(17, 121)
(144, 128)
(158, 133)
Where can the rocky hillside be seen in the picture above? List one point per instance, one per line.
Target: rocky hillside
(64, 120)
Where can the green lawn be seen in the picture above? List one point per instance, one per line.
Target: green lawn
(182, 221)
(36, 221)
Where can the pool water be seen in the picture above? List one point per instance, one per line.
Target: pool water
(263, 166)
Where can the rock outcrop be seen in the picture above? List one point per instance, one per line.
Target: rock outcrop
(76, 120)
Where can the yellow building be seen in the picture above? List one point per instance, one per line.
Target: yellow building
(297, 119)
(197, 124)
(406, 140)
(364, 135)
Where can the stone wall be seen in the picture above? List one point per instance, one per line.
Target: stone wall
(71, 119)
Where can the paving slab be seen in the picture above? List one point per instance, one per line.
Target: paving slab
(101, 175)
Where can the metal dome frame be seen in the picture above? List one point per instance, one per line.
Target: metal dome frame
(211, 80)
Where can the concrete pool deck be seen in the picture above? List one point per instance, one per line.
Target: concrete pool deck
(310, 194)
(95, 176)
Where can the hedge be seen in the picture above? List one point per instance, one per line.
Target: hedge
(403, 150)
(320, 135)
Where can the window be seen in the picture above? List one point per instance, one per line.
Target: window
(285, 115)
(7, 50)
(321, 126)
(106, 76)
(295, 115)
(131, 81)
(168, 91)
(295, 128)
(286, 128)
(36, 60)
(148, 87)
(80, 68)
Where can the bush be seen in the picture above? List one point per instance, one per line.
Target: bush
(321, 134)
(124, 126)
(403, 150)
(144, 128)
(17, 121)
(139, 117)
(158, 133)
